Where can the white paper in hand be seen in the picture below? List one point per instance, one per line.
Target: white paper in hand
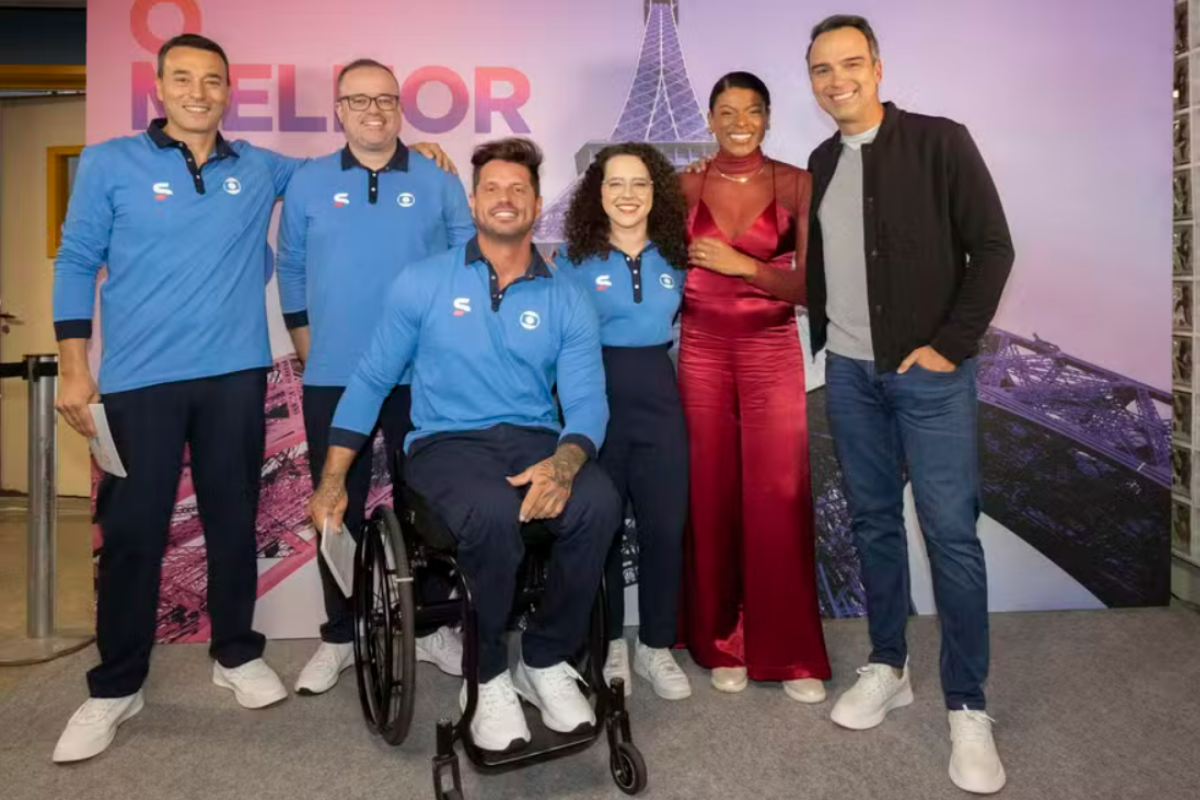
(104, 450)
(338, 551)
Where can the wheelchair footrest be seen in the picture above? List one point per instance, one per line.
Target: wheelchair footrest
(544, 743)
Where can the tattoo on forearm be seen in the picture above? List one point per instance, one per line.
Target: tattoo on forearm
(567, 461)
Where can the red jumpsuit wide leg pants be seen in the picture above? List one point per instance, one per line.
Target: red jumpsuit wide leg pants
(750, 580)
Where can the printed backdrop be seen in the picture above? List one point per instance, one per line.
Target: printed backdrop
(1074, 409)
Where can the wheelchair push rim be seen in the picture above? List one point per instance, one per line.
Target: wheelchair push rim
(384, 620)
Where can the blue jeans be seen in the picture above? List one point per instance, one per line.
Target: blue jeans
(927, 421)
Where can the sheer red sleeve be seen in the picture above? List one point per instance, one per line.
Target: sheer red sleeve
(783, 276)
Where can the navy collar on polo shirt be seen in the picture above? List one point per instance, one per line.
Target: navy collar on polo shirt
(537, 269)
(397, 163)
(158, 134)
(646, 248)
(399, 160)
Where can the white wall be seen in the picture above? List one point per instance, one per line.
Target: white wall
(27, 128)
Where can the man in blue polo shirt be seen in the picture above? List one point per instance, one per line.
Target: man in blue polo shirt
(488, 329)
(350, 221)
(180, 217)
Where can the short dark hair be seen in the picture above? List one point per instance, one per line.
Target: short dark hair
(739, 80)
(363, 63)
(514, 149)
(196, 42)
(839, 21)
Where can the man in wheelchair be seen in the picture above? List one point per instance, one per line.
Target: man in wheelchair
(489, 330)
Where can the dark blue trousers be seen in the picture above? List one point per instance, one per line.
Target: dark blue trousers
(927, 420)
(645, 453)
(223, 421)
(320, 403)
(462, 476)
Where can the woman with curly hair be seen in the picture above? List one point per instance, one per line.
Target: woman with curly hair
(750, 580)
(625, 237)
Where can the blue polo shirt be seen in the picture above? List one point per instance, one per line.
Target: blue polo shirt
(636, 298)
(345, 232)
(482, 357)
(184, 297)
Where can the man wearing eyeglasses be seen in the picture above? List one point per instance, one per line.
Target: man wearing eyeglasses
(351, 220)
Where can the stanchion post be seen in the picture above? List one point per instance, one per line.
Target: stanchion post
(43, 494)
(42, 641)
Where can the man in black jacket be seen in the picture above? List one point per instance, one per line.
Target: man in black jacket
(908, 255)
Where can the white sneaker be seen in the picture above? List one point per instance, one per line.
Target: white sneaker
(93, 726)
(254, 684)
(499, 723)
(555, 691)
(444, 648)
(730, 679)
(866, 703)
(321, 672)
(974, 763)
(617, 664)
(657, 665)
(805, 690)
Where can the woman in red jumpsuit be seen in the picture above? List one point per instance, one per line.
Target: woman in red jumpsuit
(750, 583)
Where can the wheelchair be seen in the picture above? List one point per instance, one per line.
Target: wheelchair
(388, 609)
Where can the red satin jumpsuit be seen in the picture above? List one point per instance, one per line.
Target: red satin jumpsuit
(750, 580)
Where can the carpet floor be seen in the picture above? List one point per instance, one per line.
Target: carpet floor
(1089, 706)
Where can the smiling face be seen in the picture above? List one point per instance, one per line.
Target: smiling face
(372, 128)
(739, 119)
(504, 204)
(627, 192)
(845, 79)
(194, 90)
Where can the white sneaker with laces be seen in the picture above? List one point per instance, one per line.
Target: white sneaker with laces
(866, 703)
(93, 726)
(254, 684)
(974, 763)
(617, 664)
(555, 691)
(657, 665)
(499, 723)
(321, 672)
(443, 648)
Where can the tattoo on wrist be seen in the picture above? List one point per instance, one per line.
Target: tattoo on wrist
(333, 485)
(566, 462)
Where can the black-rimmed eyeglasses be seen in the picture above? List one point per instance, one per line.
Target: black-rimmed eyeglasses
(361, 102)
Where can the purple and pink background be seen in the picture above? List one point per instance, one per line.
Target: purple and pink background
(1068, 102)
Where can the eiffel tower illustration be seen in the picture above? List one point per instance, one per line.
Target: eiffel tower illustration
(661, 110)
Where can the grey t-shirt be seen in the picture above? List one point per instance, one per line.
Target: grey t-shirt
(841, 218)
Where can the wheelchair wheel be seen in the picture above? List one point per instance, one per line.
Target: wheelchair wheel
(384, 638)
(628, 768)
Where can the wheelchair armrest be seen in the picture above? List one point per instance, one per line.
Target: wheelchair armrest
(428, 525)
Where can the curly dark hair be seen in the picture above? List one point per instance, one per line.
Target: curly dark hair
(588, 226)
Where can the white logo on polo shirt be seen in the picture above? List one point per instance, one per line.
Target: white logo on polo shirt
(162, 190)
(406, 200)
(232, 186)
(530, 320)
(462, 305)
(603, 282)
(667, 281)
(341, 199)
